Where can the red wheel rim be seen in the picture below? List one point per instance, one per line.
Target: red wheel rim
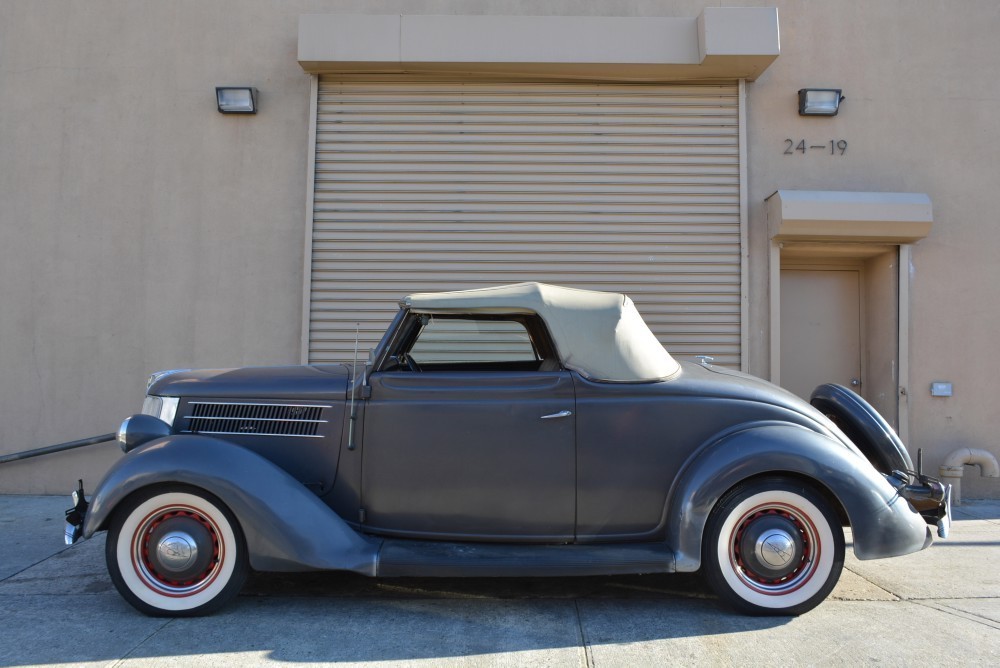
(157, 578)
(806, 560)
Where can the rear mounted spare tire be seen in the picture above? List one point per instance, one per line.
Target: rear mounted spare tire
(864, 426)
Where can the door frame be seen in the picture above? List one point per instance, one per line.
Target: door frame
(838, 220)
(842, 255)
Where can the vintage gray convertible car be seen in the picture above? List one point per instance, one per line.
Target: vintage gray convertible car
(524, 430)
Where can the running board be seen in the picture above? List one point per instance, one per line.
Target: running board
(407, 558)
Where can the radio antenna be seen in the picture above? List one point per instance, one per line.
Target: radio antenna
(354, 386)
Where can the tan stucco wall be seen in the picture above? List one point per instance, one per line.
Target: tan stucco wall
(140, 229)
(920, 116)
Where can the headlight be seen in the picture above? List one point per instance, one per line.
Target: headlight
(123, 433)
(164, 408)
(140, 429)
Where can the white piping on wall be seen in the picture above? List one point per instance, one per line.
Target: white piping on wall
(954, 466)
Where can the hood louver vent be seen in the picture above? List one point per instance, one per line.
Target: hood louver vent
(246, 419)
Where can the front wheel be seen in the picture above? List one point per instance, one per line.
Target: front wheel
(176, 552)
(773, 547)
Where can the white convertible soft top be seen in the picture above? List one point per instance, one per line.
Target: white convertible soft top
(599, 334)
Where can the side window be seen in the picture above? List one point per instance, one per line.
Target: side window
(472, 342)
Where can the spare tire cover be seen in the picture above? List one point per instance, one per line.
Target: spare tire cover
(864, 426)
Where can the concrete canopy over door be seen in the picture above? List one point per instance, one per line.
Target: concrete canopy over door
(723, 43)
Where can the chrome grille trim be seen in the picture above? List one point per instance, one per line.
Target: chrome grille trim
(255, 419)
(251, 419)
(250, 433)
(238, 403)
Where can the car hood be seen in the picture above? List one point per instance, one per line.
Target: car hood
(321, 382)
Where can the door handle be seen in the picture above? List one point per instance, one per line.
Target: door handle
(560, 414)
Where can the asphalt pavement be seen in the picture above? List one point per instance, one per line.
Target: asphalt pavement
(939, 606)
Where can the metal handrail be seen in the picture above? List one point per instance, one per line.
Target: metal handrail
(58, 447)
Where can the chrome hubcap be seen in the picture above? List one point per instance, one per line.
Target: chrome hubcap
(775, 549)
(176, 551)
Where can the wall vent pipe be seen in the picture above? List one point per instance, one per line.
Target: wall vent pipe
(954, 466)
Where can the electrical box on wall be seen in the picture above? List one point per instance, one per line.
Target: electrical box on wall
(940, 389)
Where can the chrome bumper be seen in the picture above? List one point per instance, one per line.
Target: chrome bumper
(944, 522)
(76, 515)
(929, 496)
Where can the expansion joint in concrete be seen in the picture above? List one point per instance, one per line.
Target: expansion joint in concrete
(588, 654)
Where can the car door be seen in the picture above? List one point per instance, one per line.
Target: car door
(469, 435)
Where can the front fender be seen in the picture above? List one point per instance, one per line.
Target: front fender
(883, 523)
(287, 527)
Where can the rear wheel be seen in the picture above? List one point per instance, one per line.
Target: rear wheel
(773, 547)
(176, 552)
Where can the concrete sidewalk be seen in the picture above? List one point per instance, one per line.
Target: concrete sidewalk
(58, 606)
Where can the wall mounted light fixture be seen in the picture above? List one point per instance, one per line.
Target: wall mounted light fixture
(820, 101)
(236, 99)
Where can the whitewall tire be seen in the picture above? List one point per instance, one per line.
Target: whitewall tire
(773, 547)
(176, 552)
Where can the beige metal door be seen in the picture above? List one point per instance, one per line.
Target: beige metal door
(445, 185)
(820, 329)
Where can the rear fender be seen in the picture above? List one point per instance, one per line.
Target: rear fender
(883, 523)
(861, 423)
(287, 527)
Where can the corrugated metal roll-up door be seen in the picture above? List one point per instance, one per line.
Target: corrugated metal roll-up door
(446, 186)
